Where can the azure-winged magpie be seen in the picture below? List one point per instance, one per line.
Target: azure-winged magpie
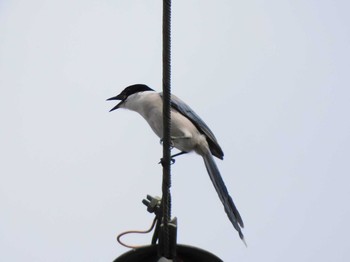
(188, 133)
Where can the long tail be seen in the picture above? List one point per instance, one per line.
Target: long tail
(224, 196)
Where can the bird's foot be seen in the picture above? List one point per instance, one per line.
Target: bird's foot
(171, 143)
(172, 160)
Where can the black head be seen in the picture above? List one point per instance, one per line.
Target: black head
(130, 90)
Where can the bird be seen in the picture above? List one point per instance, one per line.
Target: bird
(188, 133)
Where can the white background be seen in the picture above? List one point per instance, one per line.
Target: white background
(271, 79)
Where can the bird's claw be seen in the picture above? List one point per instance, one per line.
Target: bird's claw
(172, 161)
(171, 143)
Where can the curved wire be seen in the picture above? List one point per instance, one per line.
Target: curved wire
(135, 232)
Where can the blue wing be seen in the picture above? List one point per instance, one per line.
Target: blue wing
(185, 110)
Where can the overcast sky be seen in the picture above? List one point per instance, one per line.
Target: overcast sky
(270, 78)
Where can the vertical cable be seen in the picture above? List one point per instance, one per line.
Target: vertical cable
(166, 199)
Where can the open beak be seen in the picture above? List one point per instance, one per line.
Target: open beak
(118, 97)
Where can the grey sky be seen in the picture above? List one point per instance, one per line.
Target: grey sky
(271, 79)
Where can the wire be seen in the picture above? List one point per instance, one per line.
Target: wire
(166, 198)
(135, 232)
